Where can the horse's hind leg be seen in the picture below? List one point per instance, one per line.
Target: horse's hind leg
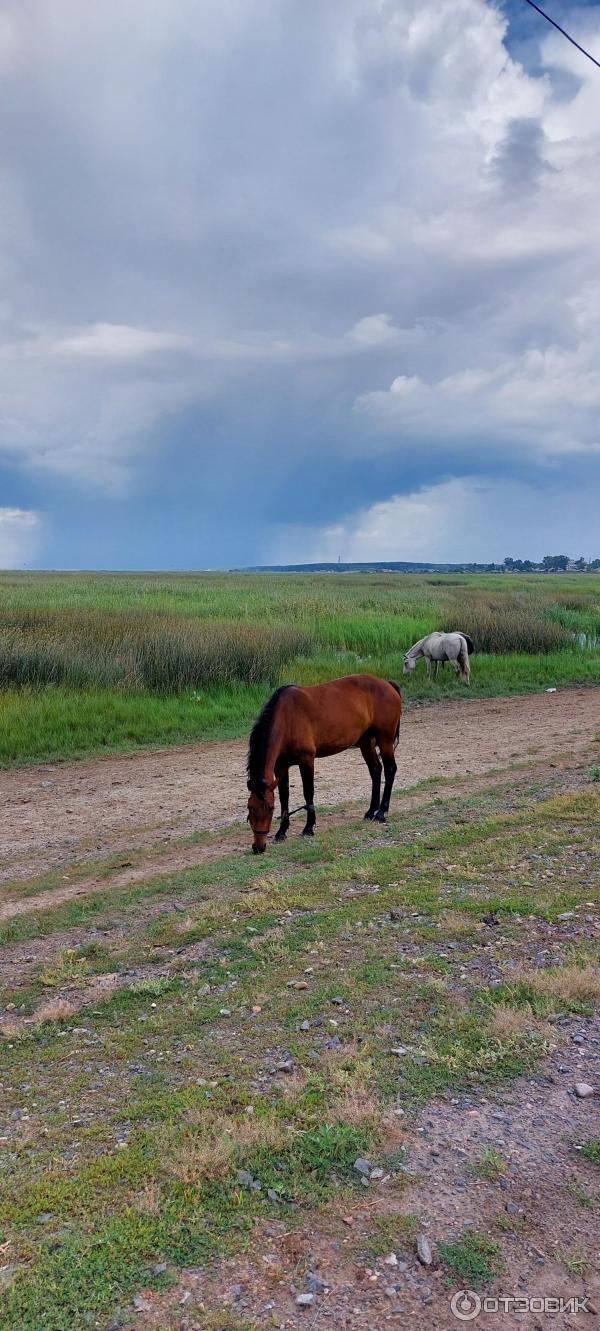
(284, 796)
(307, 772)
(386, 749)
(371, 757)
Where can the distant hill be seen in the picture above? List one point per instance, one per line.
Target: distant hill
(375, 566)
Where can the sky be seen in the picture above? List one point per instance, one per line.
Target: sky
(287, 280)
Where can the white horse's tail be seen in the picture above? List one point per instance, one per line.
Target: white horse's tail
(463, 660)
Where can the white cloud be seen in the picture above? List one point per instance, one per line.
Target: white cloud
(117, 342)
(461, 520)
(375, 330)
(20, 532)
(545, 401)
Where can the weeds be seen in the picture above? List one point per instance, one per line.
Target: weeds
(574, 1262)
(509, 623)
(472, 1259)
(390, 1233)
(580, 1194)
(489, 1166)
(99, 649)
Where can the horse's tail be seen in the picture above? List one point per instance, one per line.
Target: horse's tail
(463, 658)
(469, 642)
(397, 688)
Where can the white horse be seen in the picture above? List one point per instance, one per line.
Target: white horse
(436, 647)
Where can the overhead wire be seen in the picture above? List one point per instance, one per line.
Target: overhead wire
(563, 32)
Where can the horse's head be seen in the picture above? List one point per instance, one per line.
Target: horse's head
(261, 803)
(409, 664)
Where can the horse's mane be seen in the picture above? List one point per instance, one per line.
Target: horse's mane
(415, 645)
(259, 739)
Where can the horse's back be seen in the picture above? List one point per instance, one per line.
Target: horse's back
(328, 718)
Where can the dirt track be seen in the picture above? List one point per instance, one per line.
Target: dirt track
(85, 810)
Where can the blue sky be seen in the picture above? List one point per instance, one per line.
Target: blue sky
(284, 281)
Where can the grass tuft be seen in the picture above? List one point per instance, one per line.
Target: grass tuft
(473, 1259)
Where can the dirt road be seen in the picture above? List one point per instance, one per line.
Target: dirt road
(82, 811)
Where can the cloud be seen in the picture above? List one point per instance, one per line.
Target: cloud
(544, 402)
(19, 536)
(294, 257)
(117, 342)
(455, 521)
(375, 330)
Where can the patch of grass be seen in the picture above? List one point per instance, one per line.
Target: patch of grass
(580, 1194)
(489, 1165)
(474, 1259)
(547, 992)
(591, 1150)
(152, 988)
(594, 773)
(574, 1262)
(389, 1233)
(69, 966)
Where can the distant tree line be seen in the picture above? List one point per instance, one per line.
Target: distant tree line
(551, 564)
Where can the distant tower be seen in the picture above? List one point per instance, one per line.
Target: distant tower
(339, 559)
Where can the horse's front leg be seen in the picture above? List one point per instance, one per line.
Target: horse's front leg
(284, 797)
(307, 772)
(428, 666)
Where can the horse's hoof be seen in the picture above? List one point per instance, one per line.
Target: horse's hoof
(280, 836)
(308, 831)
(369, 816)
(379, 817)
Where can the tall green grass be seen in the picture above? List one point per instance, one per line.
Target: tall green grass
(102, 649)
(97, 661)
(518, 623)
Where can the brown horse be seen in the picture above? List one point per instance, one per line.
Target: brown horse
(299, 724)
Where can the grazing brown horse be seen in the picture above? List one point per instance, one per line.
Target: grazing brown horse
(299, 724)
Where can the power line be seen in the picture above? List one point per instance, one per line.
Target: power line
(565, 34)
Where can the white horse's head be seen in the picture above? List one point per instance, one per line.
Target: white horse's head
(409, 664)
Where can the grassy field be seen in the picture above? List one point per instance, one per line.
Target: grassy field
(245, 1052)
(92, 662)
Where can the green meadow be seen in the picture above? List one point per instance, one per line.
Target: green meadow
(100, 662)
